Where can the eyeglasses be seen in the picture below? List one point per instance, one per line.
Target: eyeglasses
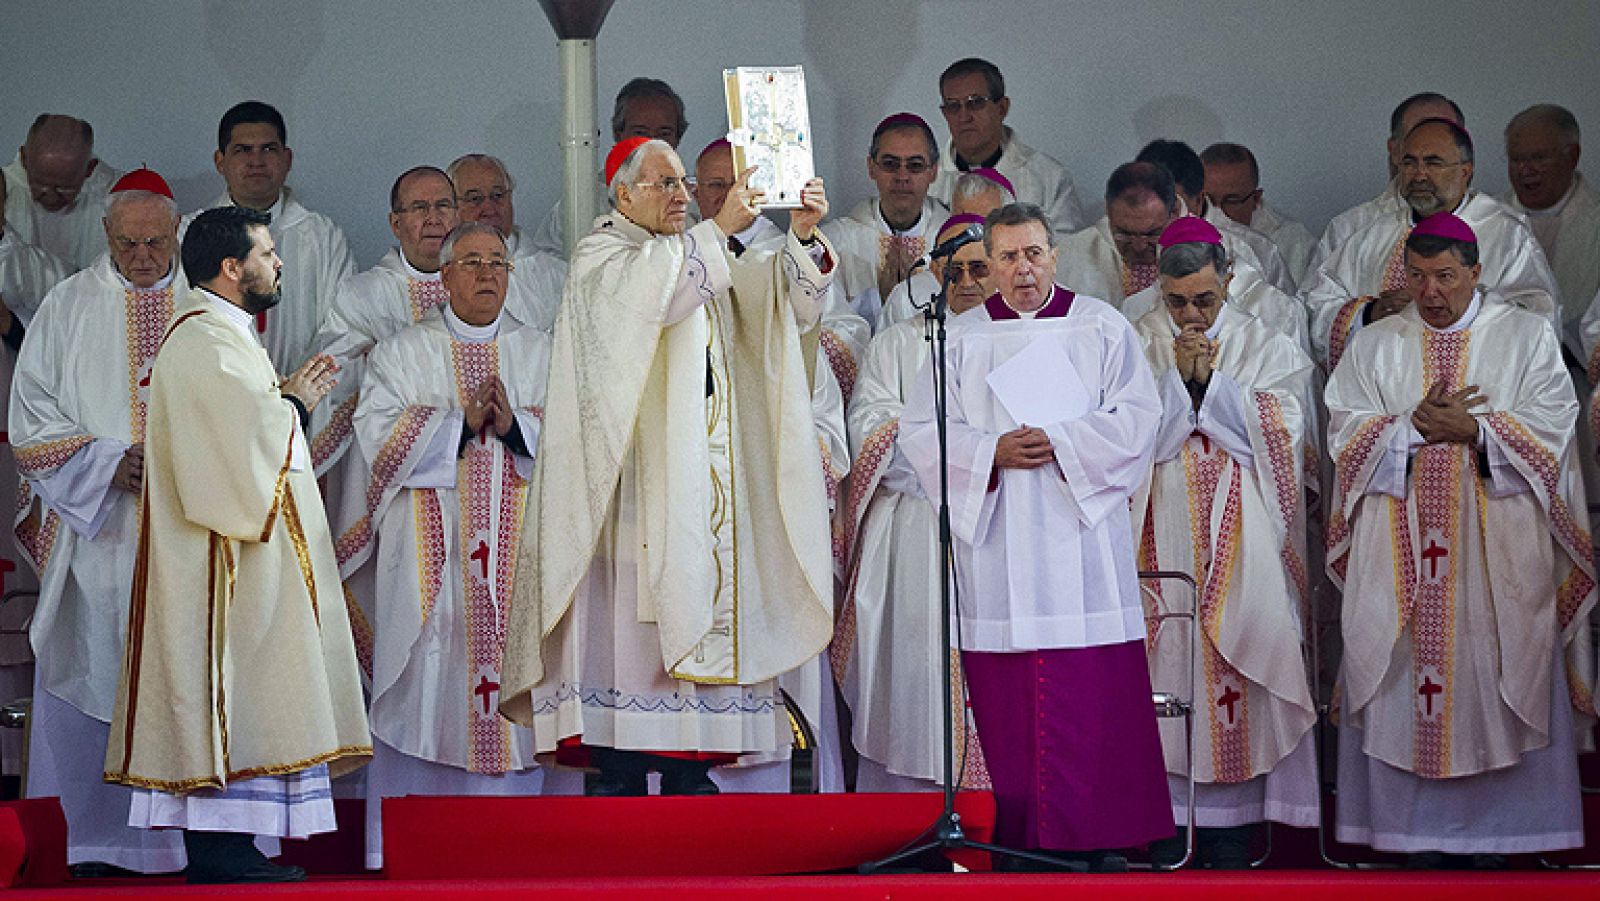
(958, 271)
(1432, 165)
(1237, 199)
(66, 192)
(974, 103)
(715, 184)
(915, 165)
(423, 208)
(476, 199)
(671, 184)
(476, 265)
(1202, 302)
(1123, 236)
(158, 244)
(1033, 252)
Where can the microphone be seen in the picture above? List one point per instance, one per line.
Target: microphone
(973, 232)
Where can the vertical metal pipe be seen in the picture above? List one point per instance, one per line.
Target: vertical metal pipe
(580, 137)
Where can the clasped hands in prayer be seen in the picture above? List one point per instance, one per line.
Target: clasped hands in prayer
(1445, 416)
(1196, 355)
(740, 209)
(490, 407)
(312, 381)
(1023, 448)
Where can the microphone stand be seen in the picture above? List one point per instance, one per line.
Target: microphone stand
(946, 834)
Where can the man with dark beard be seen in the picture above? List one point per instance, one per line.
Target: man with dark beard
(240, 695)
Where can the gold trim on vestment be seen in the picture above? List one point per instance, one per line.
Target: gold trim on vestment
(277, 769)
(136, 605)
(297, 537)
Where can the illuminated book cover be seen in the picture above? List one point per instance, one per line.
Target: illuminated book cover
(769, 126)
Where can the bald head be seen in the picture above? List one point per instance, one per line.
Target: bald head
(1542, 150)
(57, 156)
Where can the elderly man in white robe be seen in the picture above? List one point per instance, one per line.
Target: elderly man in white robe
(1226, 502)
(254, 159)
(1052, 416)
(77, 419)
(1459, 534)
(1233, 184)
(1115, 258)
(643, 636)
(887, 646)
(977, 193)
(1390, 201)
(972, 97)
(1189, 180)
(1365, 280)
(450, 410)
(484, 192)
(56, 190)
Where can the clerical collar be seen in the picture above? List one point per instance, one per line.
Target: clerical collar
(993, 162)
(1058, 305)
(467, 333)
(415, 273)
(275, 211)
(1466, 318)
(166, 280)
(749, 235)
(234, 313)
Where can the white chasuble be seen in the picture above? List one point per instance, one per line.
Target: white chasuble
(888, 642)
(1372, 260)
(448, 521)
(679, 558)
(865, 241)
(1035, 178)
(1453, 606)
(76, 234)
(1226, 503)
(78, 402)
(239, 659)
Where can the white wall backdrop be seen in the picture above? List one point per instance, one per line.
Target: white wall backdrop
(372, 88)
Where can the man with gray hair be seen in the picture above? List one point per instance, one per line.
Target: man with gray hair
(1052, 627)
(484, 189)
(644, 108)
(1235, 425)
(1233, 185)
(1542, 148)
(77, 422)
(642, 635)
(451, 407)
(56, 190)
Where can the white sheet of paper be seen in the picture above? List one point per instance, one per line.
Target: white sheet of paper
(1039, 386)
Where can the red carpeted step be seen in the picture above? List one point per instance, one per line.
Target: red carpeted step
(724, 835)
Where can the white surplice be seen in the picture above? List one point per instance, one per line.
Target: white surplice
(887, 647)
(1343, 226)
(77, 403)
(76, 234)
(1569, 233)
(316, 258)
(1035, 177)
(679, 560)
(1293, 240)
(1226, 502)
(1468, 579)
(1074, 510)
(1268, 259)
(1372, 260)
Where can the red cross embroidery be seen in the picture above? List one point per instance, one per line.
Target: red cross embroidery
(1229, 698)
(482, 556)
(1434, 552)
(1428, 690)
(484, 690)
